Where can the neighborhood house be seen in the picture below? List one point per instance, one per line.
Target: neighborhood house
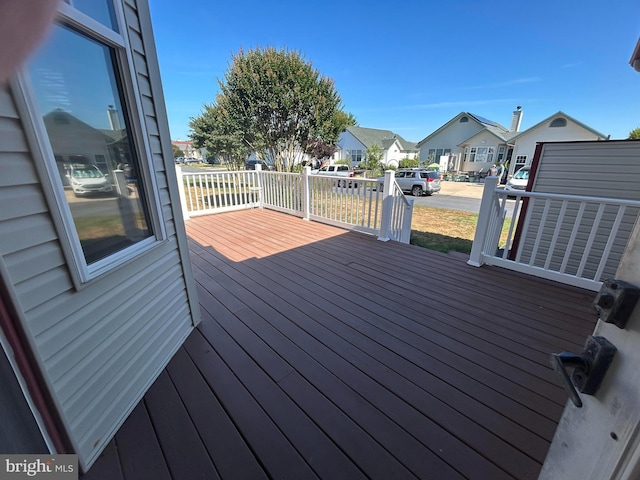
(355, 141)
(471, 143)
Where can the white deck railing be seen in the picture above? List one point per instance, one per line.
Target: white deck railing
(355, 203)
(576, 240)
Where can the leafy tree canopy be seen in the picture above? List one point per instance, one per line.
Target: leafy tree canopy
(216, 131)
(275, 103)
(177, 152)
(634, 134)
(373, 158)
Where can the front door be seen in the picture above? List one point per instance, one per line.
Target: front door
(601, 440)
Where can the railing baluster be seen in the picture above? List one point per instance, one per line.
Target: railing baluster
(612, 236)
(592, 236)
(543, 222)
(572, 237)
(556, 234)
(525, 228)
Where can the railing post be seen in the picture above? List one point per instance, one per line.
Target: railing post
(484, 218)
(385, 213)
(258, 174)
(306, 193)
(183, 197)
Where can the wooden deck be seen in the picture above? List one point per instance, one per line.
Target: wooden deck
(328, 354)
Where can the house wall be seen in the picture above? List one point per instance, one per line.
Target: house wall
(349, 142)
(393, 155)
(526, 144)
(100, 346)
(483, 139)
(450, 137)
(603, 169)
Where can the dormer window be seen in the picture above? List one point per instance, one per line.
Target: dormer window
(558, 122)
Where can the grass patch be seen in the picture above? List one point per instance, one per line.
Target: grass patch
(442, 229)
(447, 230)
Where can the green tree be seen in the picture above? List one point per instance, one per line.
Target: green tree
(373, 158)
(634, 134)
(277, 104)
(176, 151)
(215, 130)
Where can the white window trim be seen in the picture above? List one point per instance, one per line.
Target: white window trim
(37, 138)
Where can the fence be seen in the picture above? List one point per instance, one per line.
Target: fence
(576, 240)
(355, 203)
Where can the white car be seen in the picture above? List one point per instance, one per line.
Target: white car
(86, 179)
(337, 171)
(519, 180)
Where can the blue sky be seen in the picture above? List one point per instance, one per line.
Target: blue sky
(411, 65)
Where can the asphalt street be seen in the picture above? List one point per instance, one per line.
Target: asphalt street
(463, 196)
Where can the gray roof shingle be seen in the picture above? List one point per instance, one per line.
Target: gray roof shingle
(383, 138)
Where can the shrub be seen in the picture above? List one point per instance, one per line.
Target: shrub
(409, 163)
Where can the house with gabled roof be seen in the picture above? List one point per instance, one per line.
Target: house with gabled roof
(355, 140)
(472, 143)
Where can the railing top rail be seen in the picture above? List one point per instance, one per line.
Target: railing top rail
(217, 172)
(399, 194)
(270, 172)
(561, 196)
(338, 177)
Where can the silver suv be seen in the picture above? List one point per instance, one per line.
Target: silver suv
(418, 182)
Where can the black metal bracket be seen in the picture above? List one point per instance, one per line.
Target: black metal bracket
(615, 302)
(589, 367)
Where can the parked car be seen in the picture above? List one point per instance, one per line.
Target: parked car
(337, 171)
(519, 180)
(417, 182)
(191, 160)
(251, 165)
(85, 179)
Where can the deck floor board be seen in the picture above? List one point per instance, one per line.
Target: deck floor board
(324, 353)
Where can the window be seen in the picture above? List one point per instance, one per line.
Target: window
(100, 10)
(558, 122)
(356, 156)
(501, 149)
(464, 119)
(77, 89)
(479, 154)
(434, 154)
(521, 161)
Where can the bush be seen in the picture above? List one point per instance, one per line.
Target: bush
(409, 163)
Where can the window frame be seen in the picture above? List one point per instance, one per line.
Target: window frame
(488, 152)
(519, 162)
(38, 139)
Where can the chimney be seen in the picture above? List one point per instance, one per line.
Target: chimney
(114, 119)
(516, 119)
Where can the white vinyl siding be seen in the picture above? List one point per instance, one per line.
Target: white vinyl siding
(595, 169)
(101, 346)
